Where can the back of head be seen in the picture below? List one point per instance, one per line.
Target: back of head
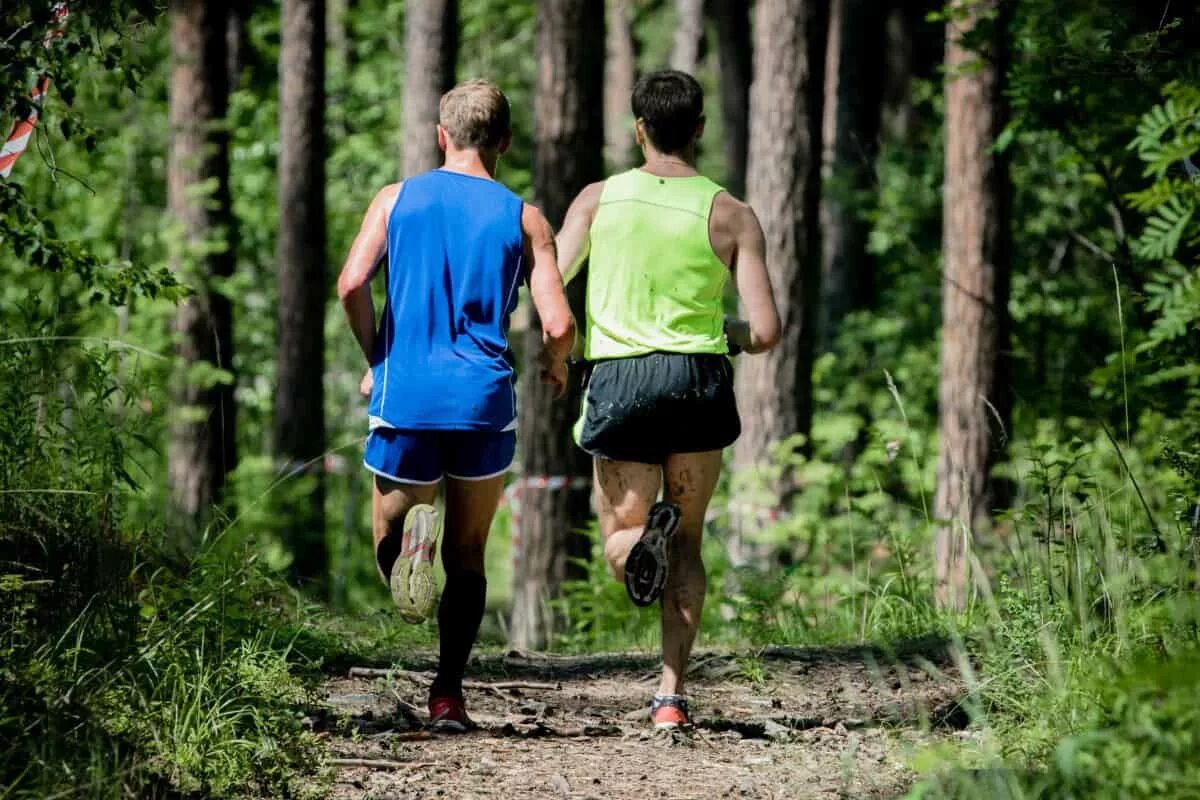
(670, 104)
(475, 115)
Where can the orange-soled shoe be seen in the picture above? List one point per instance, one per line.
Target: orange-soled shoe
(449, 714)
(670, 712)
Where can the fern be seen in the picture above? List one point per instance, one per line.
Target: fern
(1165, 230)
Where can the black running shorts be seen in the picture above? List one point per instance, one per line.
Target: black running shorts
(645, 408)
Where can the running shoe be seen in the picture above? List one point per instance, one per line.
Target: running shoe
(646, 566)
(449, 714)
(669, 712)
(413, 588)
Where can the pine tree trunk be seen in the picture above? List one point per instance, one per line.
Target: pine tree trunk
(431, 52)
(689, 35)
(202, 445)
(569, 138)
(783, 186)
(912, 49)
(854, 84)
(620, 71)
(735, 56)
(237, 43)
(973, 391)
(303, 286)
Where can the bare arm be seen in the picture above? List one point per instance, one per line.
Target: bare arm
(761, 329)
(574, 239)
(546, 290)
(353, 284)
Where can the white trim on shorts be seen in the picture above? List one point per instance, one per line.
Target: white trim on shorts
(396, 479)
(482, 477)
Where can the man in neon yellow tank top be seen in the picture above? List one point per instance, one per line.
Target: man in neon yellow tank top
(662, 242)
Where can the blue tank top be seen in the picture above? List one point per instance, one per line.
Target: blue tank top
(454, 253)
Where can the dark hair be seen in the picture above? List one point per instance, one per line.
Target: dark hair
(671, 104)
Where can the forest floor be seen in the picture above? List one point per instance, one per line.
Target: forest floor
(783, 722)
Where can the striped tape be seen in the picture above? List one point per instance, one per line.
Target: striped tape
(22, 132)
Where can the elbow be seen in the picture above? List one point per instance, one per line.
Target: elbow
(347, 285)
(768, 335)
(560, 330)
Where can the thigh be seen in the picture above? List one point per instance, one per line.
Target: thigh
(391, 500)
(690, 479)
(470, 508)
(625, 490)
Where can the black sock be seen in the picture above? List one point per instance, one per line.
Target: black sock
(459, 615)
(387, 552)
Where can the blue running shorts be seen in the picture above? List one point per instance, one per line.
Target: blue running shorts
(424, 457)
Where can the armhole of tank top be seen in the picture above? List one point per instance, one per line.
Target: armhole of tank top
(712, 204)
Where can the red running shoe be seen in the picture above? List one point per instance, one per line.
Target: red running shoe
(670, 712)
(449, 714)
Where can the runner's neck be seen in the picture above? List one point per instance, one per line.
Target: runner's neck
(471, 162)
(669, 166)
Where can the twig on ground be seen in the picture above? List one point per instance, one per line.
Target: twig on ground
(407, 711)
(380, 763)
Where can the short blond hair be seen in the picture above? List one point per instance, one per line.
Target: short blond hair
(475, 114)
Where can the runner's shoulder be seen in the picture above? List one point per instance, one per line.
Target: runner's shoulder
(385, 198)
(731, 214)
(588, 199)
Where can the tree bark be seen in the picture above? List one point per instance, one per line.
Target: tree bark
(735, 57)
(688, 47)
(237, 43)
(774, 390)
(783, 186)
(976, 242)
(913, 49)
(569, 139)
(853, 93)
(303, 287)
(620, 72)
(430, 55)
(202, 445)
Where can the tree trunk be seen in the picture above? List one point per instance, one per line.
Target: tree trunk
(973, 391)
(853, 92)
(775, 389)
(237, 43)
(202, 445)
(303, 287)
(555, 485)
(430, 55)
(689, 35)
(620, 71)
(735, 56)
(913, 49)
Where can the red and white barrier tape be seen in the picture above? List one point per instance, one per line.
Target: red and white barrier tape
(551, 483)
(22, 130)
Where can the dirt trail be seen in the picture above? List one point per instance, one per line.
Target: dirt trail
(783, 723)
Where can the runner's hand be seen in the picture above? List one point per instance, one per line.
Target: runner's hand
(367, 383)
(555, 374)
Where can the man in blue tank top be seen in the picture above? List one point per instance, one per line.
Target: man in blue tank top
(441, 380)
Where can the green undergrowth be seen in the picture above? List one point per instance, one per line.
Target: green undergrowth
(138, 663)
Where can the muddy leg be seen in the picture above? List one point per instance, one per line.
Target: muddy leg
(690, 479)
(625, 490)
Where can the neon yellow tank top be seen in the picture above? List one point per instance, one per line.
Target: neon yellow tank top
(654, 282)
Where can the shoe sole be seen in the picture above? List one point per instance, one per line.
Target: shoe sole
(414, 590)
(448, 726)
(646, 566)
